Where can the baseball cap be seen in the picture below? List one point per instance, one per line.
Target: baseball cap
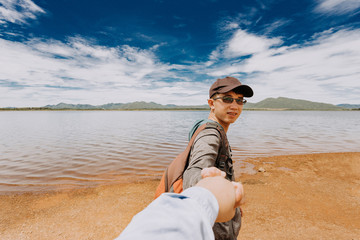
(227, 84)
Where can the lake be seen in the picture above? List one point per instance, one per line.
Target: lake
(50, 150)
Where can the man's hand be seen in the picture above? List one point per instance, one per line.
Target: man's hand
(229, 195)
(212, 172)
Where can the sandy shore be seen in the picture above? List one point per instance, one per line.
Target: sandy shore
(314, 196)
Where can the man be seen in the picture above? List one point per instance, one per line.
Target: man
(189, 215)
(226, 100)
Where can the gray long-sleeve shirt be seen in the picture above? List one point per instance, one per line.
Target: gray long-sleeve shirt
(203, 154)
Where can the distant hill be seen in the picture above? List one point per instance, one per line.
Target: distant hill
(349, 106)
(71, 106)
(279, 103)
(282, 103)
(122, 106)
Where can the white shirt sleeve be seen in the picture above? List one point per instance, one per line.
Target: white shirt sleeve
(189, 215)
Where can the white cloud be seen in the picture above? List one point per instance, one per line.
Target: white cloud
(40, 72)
(18, 11)
(82, 72)
(243, 43)
(325, 69)
(276, 25)
(337, 7)
(230, 26)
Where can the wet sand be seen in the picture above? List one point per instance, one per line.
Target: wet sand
(314, 196)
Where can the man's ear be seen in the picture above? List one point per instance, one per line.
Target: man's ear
(211, 103)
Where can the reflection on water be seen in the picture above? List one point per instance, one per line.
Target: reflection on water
(62, 149)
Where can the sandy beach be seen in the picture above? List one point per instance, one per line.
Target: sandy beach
(315, 196)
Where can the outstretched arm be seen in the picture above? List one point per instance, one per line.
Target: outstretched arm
(229, 195)
(189, 215)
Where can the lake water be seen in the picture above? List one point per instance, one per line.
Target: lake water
(47, 150)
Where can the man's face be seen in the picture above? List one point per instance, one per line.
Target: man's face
(226, 113)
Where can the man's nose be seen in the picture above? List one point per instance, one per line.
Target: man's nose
(234, 104)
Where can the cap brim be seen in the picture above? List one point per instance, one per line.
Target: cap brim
(242, 89)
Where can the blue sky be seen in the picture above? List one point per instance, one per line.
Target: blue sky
(170, 52)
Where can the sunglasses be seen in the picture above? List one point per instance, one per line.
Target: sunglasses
(227, 99)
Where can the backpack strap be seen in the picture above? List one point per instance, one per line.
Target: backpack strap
(175, 170)
(177, 167)
(223, 160)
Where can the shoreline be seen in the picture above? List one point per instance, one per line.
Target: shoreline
(312, 196)
(241, 166)
(173, 109)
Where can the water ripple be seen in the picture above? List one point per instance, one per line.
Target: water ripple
(66, 149)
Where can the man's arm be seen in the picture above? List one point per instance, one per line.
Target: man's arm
(189, 215)
(203, 155)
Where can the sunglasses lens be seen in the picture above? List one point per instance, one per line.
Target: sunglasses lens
(228, 99)
(239, 101)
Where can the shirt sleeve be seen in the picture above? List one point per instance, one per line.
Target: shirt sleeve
(189, 215)
(203, 155)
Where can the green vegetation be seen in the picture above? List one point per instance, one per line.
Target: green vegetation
(282, 103)
(110, 106)
(271, 104)
(350, 106)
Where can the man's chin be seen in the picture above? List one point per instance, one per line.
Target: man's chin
(232, 120)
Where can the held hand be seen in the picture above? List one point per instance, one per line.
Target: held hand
(239, 189)
(239, 194)
(230, 195)
(212, 172)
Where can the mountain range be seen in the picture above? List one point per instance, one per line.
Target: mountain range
(280, 103)
(123, 106)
